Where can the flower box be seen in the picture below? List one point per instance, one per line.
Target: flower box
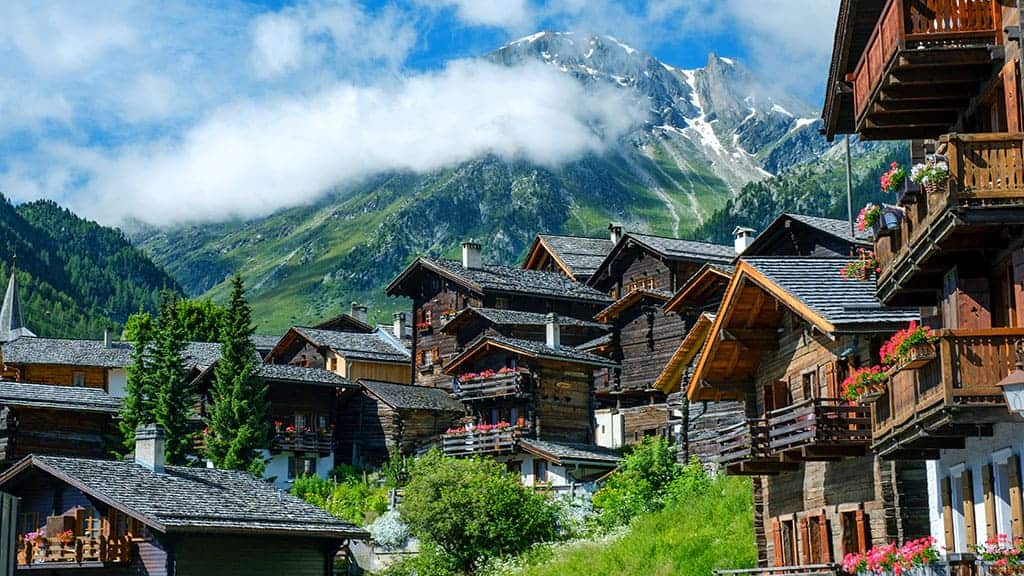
(920, 355)
(872, 394)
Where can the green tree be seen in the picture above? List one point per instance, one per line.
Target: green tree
(201, 319)
(639, 484)
(139, 400)
(238, 424)
(472, 509)
(171, 382)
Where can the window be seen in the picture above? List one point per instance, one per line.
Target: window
(78, 379)
(816, 537)
(298, 466)
(540, 471)
(91, 524)
(301, 421)
(853, 528)
(321, 422)
(428, 358)
(787, 542)
(29, 522)
(809, 383)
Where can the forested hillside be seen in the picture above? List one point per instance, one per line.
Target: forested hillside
(77, 277)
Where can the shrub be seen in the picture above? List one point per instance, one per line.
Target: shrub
(637, 486)
(354, 500)
(389, 531)
(472, 509)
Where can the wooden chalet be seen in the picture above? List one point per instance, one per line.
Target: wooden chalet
(141, 517)
(786, 334)
(471, 322)
(531, 404)
(54, 420)
(575, 257)
(353, 355)
(440, 289)
(379, 420)
(354, 321)
(947, 75)
(809, 237)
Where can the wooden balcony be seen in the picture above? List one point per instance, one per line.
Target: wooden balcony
(476, 443)
(922, 64)
(745, 451)
(819, 429)
(320, 442)
(76, 551)
(949, 399)
(511, 384)
(984, 194)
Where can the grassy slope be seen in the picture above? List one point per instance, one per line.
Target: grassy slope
(691, 537)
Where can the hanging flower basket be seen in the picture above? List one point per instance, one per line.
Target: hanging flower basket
(910, 348)
(861, 268)
(918, 356)
(932, 174)
(893, 178)
(864, 385)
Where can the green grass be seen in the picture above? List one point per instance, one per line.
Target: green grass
(691, 537)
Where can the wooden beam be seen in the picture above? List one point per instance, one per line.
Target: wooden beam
(751, 339)
(933, 58)
(937, 75)
(939, 119)
(937, 102)
(913, 92)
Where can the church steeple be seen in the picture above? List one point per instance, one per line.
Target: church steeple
(12, 325)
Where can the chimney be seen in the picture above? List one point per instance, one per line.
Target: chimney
(399, 326)
(614, 232)
(358, 311)
(149, 447)
(742, 238)
(471, 255)
(552, 331)
(106, 338)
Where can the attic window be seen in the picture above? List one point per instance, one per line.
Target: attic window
(78, 379)
(501, 302)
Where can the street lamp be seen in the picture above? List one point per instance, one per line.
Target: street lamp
(1013, 384)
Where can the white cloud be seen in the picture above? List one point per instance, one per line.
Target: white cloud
(513, 15)
(277, 44)
(253, 158)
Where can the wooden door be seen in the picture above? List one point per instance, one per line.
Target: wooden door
(1011, 96)
(974, 307)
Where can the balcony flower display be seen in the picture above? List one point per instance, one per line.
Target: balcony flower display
(892, 559)
(864, 384)
(862, 267)
(910, 348)
(1005, 553)
(422, 326)
(930, 175)
(481, 428)
(67, 536)
(37, 537)
(893, 178)
(868, 217)
(483, 375)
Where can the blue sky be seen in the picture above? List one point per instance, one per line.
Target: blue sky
(191, 110)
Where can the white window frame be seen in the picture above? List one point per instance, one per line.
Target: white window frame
(956, 491)
(1001, 490)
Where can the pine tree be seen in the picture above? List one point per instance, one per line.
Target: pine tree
(238, 423)
(139, 400)
(174, 392)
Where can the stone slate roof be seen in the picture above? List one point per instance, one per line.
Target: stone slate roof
(686, 249)
(505, 279)
(536, 349)
(408, 397)
(582, 255)
(302, 375)
(356, 346)
(72, 398)
(194, 499)
(504, 317)
(816, 283)
(266, 343)
(837, 228)
(71, 352)
(631, 298)
(566, 452)
(603, 340)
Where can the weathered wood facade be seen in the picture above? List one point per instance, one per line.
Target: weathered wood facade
(353, 355)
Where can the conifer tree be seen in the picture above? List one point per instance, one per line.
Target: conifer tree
(173, 389)
(238, 422)
(139, 400)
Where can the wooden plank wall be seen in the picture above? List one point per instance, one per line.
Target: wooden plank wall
(565, 403)
(8, 529)
(25, 431)
(647, 338)
(61, 375)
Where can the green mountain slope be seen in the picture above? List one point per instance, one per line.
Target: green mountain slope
(77, 277)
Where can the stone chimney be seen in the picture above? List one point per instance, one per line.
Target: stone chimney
(149, 447)
(552, 331)
(742, 238)
(614, 232)
(106, 338)
(359, 312)
(399, 327)
(471, 255)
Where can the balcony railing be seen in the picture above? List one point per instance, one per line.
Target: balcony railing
(986, 178)
(908, 27)
(820, 428)
(744, 449)
(319, 442)
(77, 550)
(475, 442)
(958, 388)
(490, 387)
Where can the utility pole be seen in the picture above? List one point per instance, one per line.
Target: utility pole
(849, 185)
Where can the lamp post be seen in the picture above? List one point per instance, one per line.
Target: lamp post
(1013, 384)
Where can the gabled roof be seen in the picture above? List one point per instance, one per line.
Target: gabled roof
(671, 376)
(302, 375)
(501, 280)
(191, 499)
(854, 28)
(528, 348)
(569, 453)
(699, 287)
(596, 343)
(502, 317)
(12, 325)
(577, 257)
(838, 229)
(345, 323)
(94, 353)
(70, 398)
(352, 345)
(265, 343)
(630, 299)
(408, 397)
(672, 249)
(835, 227)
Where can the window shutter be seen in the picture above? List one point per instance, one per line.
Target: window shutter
(947, 512)
(990, 501)
(967, 491)
(830, 380)
(862, 532)
(824, 536)
(1011, 96)
(1016, 512)
(777, 540)
(805, 542)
